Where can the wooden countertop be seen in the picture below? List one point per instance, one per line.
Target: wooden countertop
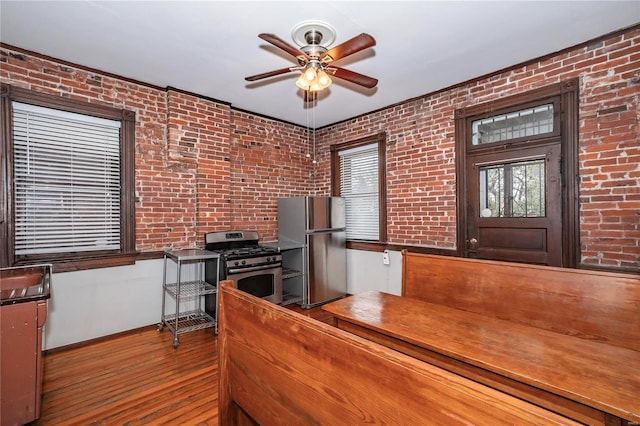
(594, 374)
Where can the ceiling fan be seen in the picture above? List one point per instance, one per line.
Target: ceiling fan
(315, 59)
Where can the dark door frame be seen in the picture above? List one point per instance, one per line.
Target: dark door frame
(569, 114)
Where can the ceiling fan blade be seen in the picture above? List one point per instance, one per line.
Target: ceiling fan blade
(349, 47)
(354, 77)
(280, 43)
(268, 74)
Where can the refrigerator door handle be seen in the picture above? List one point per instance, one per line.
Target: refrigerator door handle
(325, 231)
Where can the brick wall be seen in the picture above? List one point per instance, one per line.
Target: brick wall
(197, 163)
(184, 155)
(610, 151)
(202, 165)
(269, 161)
(421, 149)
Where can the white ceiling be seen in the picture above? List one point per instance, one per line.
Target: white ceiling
(208, 47)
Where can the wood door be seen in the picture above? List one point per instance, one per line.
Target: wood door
(514, 209)
(517, 177)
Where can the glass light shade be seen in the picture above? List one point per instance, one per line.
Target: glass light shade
(323, 79)
(315, 87)
(310, 74)
(302, 82)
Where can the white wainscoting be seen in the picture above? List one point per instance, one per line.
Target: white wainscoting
(88, 304)
(366, 271)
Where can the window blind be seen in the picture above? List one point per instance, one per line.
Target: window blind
(67, 181)
(359, 187)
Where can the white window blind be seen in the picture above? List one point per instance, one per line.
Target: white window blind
(67, 181)
(359, 185)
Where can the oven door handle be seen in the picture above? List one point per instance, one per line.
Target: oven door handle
(254, 268)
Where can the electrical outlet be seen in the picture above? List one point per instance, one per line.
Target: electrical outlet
(385, 257)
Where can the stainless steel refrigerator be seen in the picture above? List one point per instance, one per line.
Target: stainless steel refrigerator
(316, 226)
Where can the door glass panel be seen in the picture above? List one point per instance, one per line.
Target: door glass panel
(513, 190)
(518, 124)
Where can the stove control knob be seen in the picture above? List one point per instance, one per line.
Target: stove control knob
(235, 263)
(243, 262)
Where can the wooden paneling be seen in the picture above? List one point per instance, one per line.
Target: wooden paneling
(282, 368)
(597, 306)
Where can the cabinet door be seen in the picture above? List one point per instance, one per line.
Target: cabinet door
(18, 362)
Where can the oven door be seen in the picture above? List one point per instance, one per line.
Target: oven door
(264, 282)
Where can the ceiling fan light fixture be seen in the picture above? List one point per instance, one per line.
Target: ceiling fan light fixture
(313, 79)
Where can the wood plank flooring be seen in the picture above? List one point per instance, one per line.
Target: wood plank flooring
(137, 378)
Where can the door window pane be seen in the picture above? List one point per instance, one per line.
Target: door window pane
(518, 124)
(513, 190)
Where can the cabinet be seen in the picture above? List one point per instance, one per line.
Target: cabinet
(23, 311)
(187, 293)
(293, 274)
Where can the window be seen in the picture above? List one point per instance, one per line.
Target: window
(519, 124)
(359, 177)
(513, 189)
(66, 170)
(71, 182)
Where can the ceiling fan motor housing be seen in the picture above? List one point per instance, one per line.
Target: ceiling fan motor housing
(313, 37)
(313, 50)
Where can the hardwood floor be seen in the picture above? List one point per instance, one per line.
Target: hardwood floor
(137, 379)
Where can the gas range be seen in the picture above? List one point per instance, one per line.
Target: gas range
(254, 268)
(241, 249)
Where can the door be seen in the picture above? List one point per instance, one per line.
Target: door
(327, 278)
(517, 177)
(514, 211)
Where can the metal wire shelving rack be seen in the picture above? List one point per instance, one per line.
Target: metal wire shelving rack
(194, 318)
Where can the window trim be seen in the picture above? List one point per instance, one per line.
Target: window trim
(68, 261)
(380, 139)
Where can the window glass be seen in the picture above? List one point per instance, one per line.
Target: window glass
(67, 181)
(513, 190)
(519, 124)
(359, 184)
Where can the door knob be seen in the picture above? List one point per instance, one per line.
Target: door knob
(473, 241)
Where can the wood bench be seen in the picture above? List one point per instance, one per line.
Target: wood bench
(585, 380)
(281, 367)
(565, 339)
(598, 306)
